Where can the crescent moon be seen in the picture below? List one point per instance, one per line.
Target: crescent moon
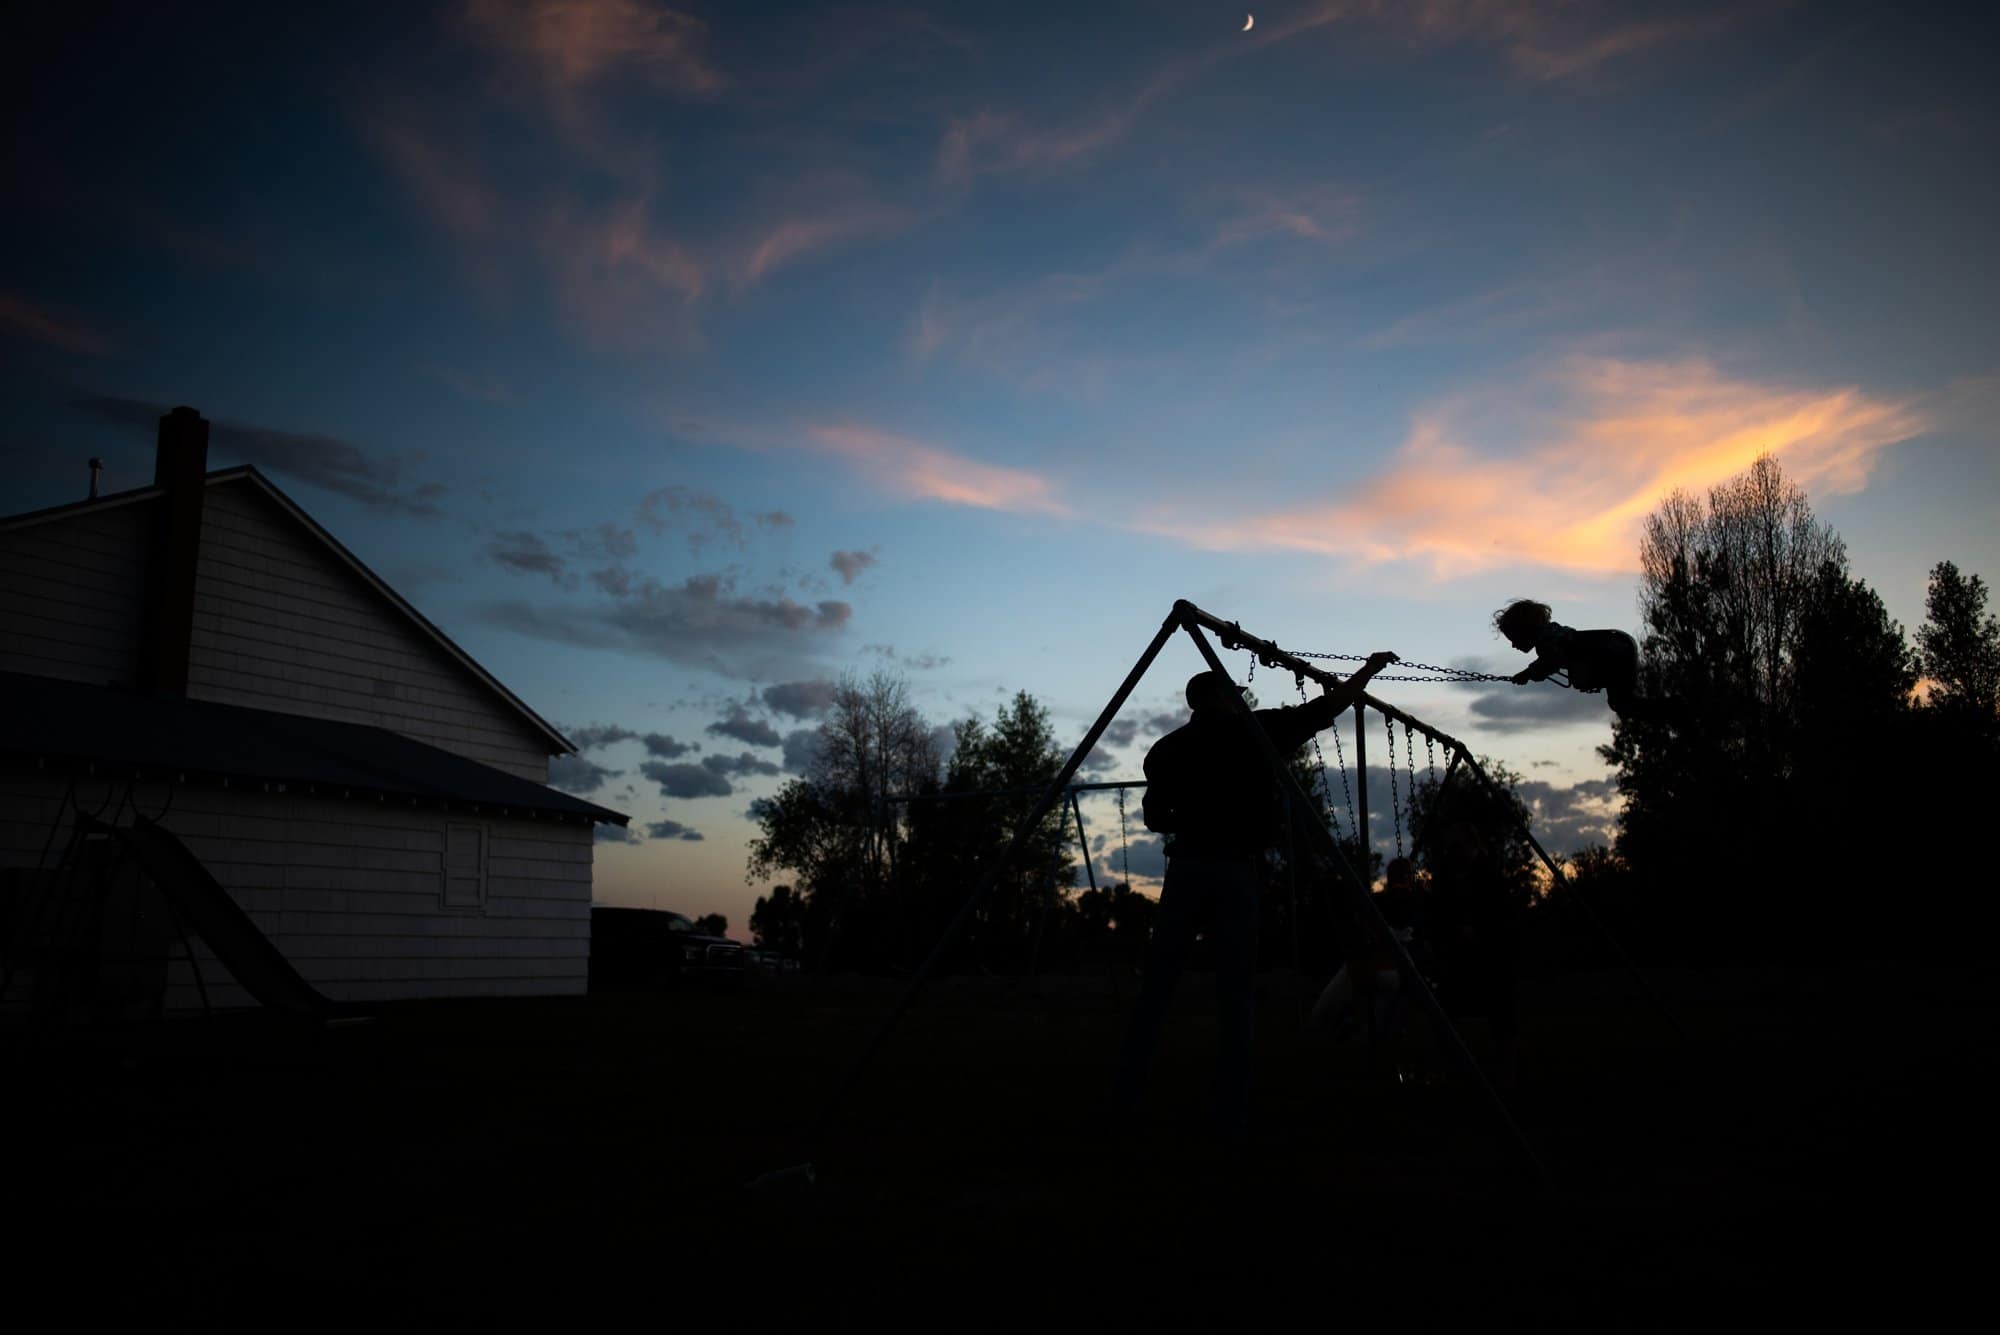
(1249, 22)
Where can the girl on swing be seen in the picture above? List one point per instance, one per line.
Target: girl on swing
(1595, 660)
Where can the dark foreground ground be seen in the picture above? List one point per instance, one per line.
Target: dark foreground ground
(1822, 1143)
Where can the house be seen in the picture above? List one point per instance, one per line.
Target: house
(201, 653)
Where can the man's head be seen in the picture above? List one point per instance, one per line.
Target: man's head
(1209, 692)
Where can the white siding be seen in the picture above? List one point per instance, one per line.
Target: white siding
(70, 596)
(281, 623)
(353, 892)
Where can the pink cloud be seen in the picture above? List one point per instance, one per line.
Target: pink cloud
(44, 326)
(916, 469)
(826, 210)
(1628, 434)
(572, 44)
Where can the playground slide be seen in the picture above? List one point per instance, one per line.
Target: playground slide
(206, 908)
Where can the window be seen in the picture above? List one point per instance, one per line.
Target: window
(464, 866)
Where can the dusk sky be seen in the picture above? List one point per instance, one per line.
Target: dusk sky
(678, 360)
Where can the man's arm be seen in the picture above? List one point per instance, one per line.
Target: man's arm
(1319, 714)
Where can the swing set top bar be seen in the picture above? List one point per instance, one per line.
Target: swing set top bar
(1233, 636)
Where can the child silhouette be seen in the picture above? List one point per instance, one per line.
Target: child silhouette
(1594, 660)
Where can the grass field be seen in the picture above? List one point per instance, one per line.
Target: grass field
(1813, 1139)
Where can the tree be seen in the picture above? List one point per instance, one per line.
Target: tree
(777, 921)
(1956, 758)
(954, 842)
(1496, 811)
(1115, 924)
(1958, 648)
(838, 834)
(712, 924)
(1770, 674)
(1852, 673)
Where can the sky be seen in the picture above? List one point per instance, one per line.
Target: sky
(679, 360)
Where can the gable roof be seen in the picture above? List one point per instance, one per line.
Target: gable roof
(248, 474)
(136, 733)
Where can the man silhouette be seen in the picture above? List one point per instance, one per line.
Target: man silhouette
(1212, 791)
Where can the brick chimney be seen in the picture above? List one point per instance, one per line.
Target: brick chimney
(180, 467)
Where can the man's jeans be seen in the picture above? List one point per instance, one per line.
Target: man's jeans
(1219, 893)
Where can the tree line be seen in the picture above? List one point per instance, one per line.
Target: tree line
(1810, 780)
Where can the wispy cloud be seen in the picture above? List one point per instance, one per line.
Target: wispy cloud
(1324, 213)
(995, 142)
(1002, 328)
(1576, 495)
(328, 462)
(42, 325)
(926, 472)
(445, 181)
(992, 142)
(700, 622)
(1570, 40)
(621, 279)
(570, 45)
(1545, 42)
(821, 212)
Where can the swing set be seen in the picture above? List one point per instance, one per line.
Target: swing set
(1323, 834)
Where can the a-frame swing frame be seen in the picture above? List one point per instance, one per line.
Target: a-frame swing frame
(1185, 616)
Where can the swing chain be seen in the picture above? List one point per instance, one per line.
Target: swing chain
(1124, 842)
(1346, 792)
(1444, 673)
(1319, 758)
(1395, 799)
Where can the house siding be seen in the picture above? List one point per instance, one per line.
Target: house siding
(352, 892)
(281, 623)
(71, 595)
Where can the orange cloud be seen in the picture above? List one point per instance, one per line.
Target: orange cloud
(42, 326)
(913, 468)
(574, 43)
(1629, 433)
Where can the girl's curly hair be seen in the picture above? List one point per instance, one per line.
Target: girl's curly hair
(1522, 615)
